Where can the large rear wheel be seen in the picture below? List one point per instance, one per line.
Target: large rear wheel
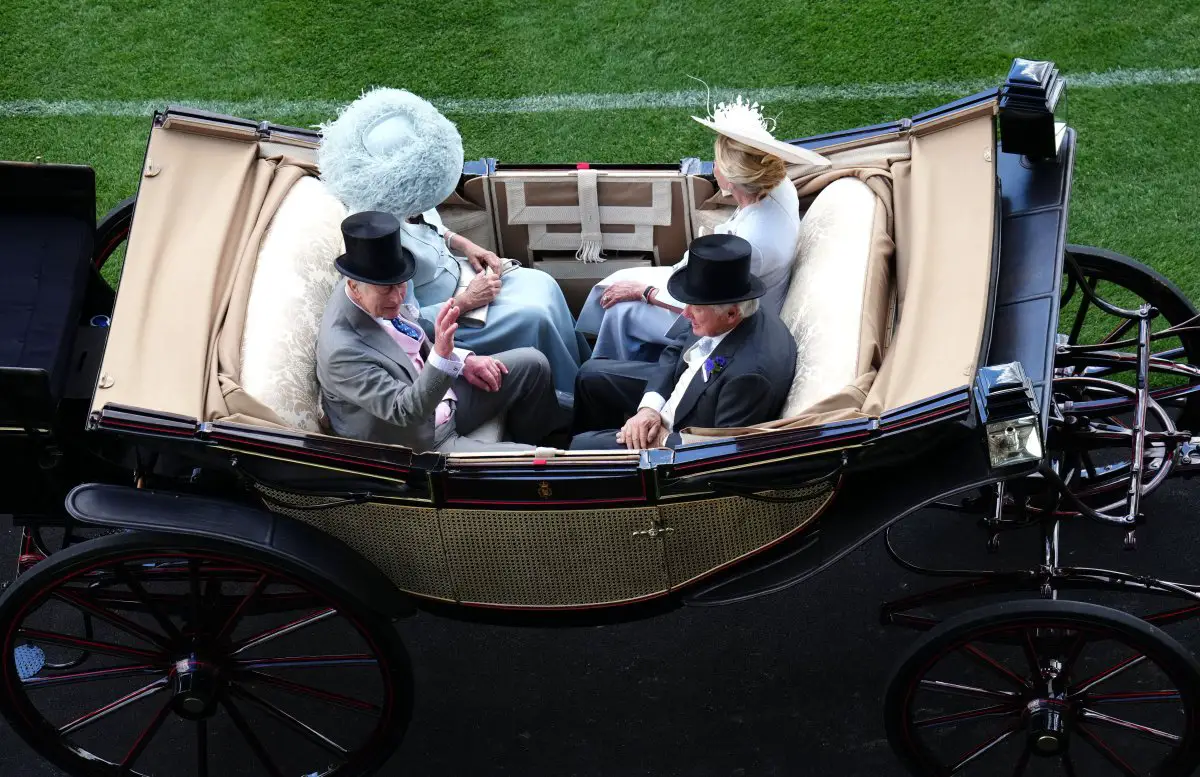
(164, 654)
(1045, 687)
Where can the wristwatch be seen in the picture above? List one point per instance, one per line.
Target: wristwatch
(646, 293)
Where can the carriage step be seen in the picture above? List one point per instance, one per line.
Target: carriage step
(29, 660)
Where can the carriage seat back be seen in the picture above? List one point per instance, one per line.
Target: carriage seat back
(838, 301)
(293, 279)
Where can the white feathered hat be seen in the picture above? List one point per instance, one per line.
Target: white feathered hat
(743, 121)
(391, 151)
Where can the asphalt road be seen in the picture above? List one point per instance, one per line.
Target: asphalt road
(786, 685)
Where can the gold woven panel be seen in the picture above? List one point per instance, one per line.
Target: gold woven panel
(560, 558)
(703, 535)
(404, 542)
(553, 558)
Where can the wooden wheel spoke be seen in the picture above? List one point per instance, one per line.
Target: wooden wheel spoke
(155, 611)
(976, 752)
(1146, 732)
(297, 725)
(113, 706)
(957, 689)
(234, 616)
(996, 710)
(248, 734)
(1128, 697)
(97, 610)
(201, 748)
(1068, 765)
(1022, 762)
(1000, 670)
(1106, 752)
(302, 662)
(143, 740)
(280, 631)
(109, 673)
(90, 645)
(337, 699)
(1108, 674)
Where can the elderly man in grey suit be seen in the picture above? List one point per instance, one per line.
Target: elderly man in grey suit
(381, 380)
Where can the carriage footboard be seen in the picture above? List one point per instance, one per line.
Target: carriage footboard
(323, 556)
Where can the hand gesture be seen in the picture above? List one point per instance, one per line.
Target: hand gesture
(480, 257)
(482, 289)
(484, 372)
(641, 431)
(444, 328)
(621, 291)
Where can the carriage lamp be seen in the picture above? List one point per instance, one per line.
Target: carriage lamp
(1032, 109)
(1008, 408)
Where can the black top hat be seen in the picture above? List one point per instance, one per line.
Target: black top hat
(373, 250)
(717, 272)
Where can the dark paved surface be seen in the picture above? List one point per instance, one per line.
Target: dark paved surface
(787, 685)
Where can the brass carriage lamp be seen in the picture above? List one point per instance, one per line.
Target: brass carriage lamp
(1031, 102)
(1008, 409)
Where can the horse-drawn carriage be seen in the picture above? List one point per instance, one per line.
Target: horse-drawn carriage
(203, 564)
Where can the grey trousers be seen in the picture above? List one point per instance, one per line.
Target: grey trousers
(526, 397)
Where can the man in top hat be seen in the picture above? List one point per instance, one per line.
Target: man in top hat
(734, 368)
(382, 380)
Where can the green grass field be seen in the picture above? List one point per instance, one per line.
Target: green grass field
(1136, 180)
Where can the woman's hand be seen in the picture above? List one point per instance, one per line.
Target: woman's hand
(480, 291)
(621, 291)
(480, 257)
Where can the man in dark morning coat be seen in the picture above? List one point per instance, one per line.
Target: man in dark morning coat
(734, 368)
(381, 378)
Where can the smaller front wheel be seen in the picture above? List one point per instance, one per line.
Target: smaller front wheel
(1045, 687)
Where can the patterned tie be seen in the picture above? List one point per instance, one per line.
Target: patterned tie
(407, 329)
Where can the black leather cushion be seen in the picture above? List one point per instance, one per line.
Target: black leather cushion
(43, 274)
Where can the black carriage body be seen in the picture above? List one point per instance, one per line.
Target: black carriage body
(853, 478)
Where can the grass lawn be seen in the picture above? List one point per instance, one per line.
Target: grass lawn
(1136, 180)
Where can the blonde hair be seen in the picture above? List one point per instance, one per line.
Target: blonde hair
(757, 172)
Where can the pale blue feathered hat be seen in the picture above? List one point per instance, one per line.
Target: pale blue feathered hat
(392, 151)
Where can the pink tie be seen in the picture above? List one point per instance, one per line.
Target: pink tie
(412, 347)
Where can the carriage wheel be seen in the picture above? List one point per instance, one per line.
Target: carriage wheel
(1045, 687)
(205, 658)
(1094, 453)
(1128, 283)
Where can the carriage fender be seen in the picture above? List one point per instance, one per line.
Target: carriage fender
(323, 556)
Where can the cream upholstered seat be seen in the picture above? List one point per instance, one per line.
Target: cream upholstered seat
(293, 279)
(836, 304)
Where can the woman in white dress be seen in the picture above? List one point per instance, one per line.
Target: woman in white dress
(630, 312)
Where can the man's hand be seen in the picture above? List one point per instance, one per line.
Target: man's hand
(622, 291)
(484, 372)
(444, 328)
(480, 291)
(641, 431)
(480, 257)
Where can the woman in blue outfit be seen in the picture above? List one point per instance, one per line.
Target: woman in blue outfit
(630, 312)
(393, 151)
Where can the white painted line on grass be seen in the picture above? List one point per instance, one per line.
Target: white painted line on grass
(690, 98)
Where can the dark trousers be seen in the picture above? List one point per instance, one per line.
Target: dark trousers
(607, 393)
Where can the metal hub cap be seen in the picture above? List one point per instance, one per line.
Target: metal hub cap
(195, 687)
(1047, 726)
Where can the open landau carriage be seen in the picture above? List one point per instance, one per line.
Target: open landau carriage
(205, 572)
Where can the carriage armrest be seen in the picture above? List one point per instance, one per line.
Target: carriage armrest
(325, 557)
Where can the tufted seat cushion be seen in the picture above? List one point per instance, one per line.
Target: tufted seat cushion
(293, 279)
(838, 298)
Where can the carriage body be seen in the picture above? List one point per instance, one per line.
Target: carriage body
(145, 424)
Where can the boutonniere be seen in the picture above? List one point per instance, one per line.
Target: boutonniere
(713, 366)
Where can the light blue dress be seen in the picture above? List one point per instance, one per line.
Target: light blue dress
(529, 311)
(638, 332)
